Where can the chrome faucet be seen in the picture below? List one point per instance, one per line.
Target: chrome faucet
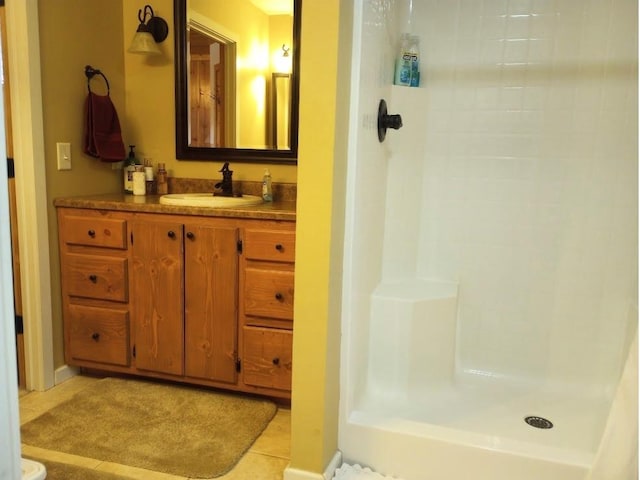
(226, 185)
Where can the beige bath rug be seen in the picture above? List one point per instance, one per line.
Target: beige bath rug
(180, 430)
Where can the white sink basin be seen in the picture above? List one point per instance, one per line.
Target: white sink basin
(208, 200)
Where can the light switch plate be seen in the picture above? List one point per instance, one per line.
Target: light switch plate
(64, 156)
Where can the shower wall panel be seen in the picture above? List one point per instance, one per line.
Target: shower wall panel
(529, 179)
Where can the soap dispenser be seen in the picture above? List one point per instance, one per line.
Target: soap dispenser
(128, 169)
(267, 194)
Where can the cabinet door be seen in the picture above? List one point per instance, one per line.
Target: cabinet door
(211, 278)
(157, 296)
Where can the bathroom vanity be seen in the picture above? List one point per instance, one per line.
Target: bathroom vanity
(190, 294)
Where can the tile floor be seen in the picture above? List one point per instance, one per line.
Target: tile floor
(266, 459)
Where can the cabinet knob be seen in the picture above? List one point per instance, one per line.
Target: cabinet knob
(96, 336)
(276, 361)
(191, 235)
(91, 233)
(93, 278)
(171, 234)
(279, 247)
(279, 297)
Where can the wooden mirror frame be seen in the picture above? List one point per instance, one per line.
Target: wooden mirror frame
(186, 152)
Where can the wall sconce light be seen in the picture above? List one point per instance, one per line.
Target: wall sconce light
(281, 60)
(150, 32)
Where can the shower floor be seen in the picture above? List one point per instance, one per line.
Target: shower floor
(487, 412)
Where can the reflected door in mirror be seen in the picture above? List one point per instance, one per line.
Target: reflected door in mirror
(281, 107)
(208, 91)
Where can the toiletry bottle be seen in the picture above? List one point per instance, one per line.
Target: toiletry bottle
(128, 169)
(148, 176)
(414, 50)
(267, 194)
(139, 187)
(403, 62)
(161, 179)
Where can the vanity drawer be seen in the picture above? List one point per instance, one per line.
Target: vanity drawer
(267, 357)
(268, 293)
(95, 232)
(92, 276)
(98, 335)
(270, 245)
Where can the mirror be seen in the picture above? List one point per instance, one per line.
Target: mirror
(237, 83)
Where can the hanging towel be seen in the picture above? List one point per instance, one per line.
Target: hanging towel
(102, 138)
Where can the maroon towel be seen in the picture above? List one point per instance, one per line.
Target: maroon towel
(102, 136)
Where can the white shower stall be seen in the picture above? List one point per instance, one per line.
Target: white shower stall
(491, 248)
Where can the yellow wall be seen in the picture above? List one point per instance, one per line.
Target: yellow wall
(319, 233)
(74, 33)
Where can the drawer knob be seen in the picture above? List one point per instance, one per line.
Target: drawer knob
(92, 233)
(171, 234)
(279, 297)
(96, 336)
(276, 361)
(279, 247)
(93, 278)
(190, 235)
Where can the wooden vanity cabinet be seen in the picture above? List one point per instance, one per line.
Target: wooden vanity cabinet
(94, 281)
(266, 312)
(204, 300)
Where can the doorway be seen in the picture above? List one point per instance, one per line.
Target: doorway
(13, 214)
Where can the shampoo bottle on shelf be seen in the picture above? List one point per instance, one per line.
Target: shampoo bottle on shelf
(267, 194)
(407, 70)
(414, 49)
(403, 62)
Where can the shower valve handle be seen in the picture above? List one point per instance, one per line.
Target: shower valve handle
(386, 121)
(392, 121)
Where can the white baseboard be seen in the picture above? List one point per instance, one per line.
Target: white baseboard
(64, 373)
(296, 474)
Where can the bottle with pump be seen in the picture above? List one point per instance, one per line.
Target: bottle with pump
(267, 194)
(128, 169)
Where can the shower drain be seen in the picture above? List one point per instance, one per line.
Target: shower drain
(538, 422)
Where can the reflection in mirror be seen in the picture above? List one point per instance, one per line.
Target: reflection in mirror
(281, 104)
(211, 89)
(236, 79)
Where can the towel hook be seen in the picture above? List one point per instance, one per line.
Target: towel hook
(90, 72)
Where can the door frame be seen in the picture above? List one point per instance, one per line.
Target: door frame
(31, 192)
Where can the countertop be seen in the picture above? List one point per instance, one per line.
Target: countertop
(277, 210)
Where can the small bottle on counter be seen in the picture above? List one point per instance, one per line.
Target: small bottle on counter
(139, 187)
(148, 176)
(128, 169)
(267, 193)
(161, 179)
